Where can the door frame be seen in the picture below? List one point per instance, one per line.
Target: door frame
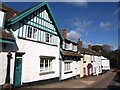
(19, 55)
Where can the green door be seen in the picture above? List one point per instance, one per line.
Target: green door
(18, 71)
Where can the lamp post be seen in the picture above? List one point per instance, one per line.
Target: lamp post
(7, 84)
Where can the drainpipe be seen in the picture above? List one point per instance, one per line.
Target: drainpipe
(60, 65)
(7, 84)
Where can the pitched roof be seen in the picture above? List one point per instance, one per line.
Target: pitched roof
(10, 12)
(88, 51)
(31, 10)
(70, 53)
(7, 35)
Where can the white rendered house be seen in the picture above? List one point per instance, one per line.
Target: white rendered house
(70, 59)
(37, 44)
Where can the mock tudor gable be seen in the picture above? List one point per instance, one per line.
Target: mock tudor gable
(38, 16)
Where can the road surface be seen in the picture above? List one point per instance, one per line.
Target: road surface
(101, 81)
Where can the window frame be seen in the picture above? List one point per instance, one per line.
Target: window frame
(67, 66)
(45, 68)
(31, 34)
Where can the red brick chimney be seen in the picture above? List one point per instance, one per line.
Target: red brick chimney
(89, 46)
(64, 32)
(79, 43)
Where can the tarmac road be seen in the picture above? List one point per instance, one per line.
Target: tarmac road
(93, 82)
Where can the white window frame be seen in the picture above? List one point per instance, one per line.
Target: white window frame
(67, 66)
(50, 38)
(46, 62)
(33, 35)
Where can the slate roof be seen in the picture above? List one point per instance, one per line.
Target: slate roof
(7, 35)
(70, 53)
(88, 51)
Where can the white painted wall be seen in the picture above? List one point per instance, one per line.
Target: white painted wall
(78, 67)
(74, 69)
(97, 63)
(105, 63)
(1, 18)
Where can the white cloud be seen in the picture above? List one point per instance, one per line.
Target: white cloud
(105, 25)
(73, 35)
(81, 26)
(78, 4)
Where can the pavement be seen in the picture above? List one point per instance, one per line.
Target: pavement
(100, 81)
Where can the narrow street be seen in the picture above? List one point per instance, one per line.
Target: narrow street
(101, 81)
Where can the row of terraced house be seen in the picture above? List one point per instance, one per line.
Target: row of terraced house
(32, 49)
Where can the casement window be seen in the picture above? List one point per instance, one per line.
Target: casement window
(74, 47)
(67, 46)
(32, 32)
(67, 66)
(49, 38)
(29, 33)
(45, 65)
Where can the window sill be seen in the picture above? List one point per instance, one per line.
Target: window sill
(45, 73)
(67, 72)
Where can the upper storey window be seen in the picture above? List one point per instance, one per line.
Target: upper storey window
(32, 32)
(49, 38)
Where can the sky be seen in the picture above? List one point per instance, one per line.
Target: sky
(95, 23)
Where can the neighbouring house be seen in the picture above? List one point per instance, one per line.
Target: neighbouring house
(70, 59)
(37, 46)
(96, 61)
(91, 62)
(7, 41)
(105, 63)
(86, 63)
